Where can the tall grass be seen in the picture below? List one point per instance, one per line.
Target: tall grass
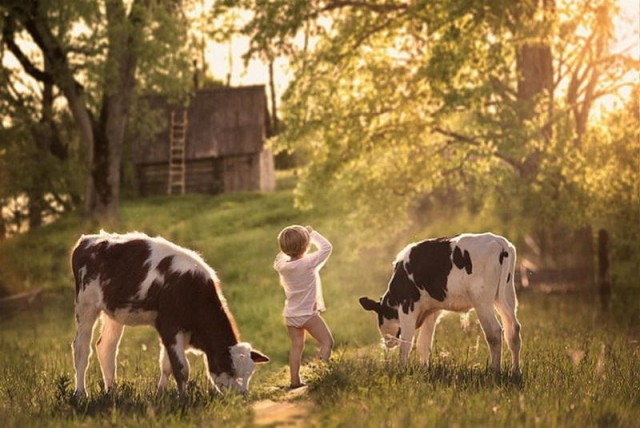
(580, 365)
(579, 369)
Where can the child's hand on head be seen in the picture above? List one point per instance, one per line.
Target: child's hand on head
(309, 228)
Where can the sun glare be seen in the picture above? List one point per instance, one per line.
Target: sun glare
(626, 42)
(226, 63)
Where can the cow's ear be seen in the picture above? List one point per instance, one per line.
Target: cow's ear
(258, 357)
(370, 305)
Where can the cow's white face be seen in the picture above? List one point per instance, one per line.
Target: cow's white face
(388, 322)
(390, 332)
(223, 382)
(244, 360)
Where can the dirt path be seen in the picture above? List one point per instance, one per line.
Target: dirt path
(291, 411)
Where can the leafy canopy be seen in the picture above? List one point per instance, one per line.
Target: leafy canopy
(395, 105)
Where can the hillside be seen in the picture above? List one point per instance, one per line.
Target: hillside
(576, 358)
(235, 234)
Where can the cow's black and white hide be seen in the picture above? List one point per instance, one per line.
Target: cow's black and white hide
(133, 279)
(466, 272)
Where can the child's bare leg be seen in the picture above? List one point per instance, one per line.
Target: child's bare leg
(320, 331)
(295, 354)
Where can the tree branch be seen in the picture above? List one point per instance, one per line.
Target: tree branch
(8, 36)
(468, 140)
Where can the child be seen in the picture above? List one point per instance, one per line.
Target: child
(299, 276)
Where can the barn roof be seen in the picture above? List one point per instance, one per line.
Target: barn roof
(221, 122)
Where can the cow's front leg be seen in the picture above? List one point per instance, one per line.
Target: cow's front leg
(174, 347)
(425, 337)
(165, 370)
(407, 328)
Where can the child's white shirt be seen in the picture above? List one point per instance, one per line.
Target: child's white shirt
(301, 278)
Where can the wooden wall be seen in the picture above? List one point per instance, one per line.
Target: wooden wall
(227, 121)
(212, 175)
(203, 176)
(225, 144)
(222, 121)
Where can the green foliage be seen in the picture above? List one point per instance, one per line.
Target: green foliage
(394, 105)
(166, 54)
(162, 51)
(98, 54)
(29, 169)
(612, 183)
(368, 103)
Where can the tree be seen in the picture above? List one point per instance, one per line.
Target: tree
(395, 103)
(97, 52)
(35, 153)
(611, 181)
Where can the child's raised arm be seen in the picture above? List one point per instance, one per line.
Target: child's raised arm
(318, 258)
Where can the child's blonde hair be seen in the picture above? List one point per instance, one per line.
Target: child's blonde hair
(294, 240)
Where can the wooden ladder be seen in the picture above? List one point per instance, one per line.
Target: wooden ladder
(177, 148)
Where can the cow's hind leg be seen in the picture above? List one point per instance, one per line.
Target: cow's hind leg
(107, 349)
(511, 333)
(492, 333)
(425, 337)
(86, 316)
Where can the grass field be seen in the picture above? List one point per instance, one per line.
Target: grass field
(581, 365)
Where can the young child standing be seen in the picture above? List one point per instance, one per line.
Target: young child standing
(300, 278)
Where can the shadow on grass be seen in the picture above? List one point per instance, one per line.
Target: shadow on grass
(373, 374)
(128, 400)
(462, 376)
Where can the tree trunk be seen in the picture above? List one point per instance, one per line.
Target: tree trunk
(107, 158)
(564, 254)
(275, 126)
(3, 225)
(535, 83)
(47, 140)
(535, 71)
(37, 206)
(109, 131)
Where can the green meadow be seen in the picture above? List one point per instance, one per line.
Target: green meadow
(581, 363)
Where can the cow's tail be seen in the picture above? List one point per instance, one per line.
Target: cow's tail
(506, 285)
(507, 304)
(76, 264)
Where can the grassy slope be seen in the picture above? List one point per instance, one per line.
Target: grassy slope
(580, 367)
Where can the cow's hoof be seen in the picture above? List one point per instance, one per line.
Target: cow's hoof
(516, 374)
(79, 396)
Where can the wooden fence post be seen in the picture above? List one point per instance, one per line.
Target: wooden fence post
(604, 282)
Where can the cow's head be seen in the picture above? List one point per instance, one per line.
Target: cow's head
(388, 321)
(244, 360)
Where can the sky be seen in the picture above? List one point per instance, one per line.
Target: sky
(255, 73)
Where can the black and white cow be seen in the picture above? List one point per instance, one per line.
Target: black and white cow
(466, 272)
(133, 279)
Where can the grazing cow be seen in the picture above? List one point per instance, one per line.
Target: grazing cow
(133, 279)
(465, 272)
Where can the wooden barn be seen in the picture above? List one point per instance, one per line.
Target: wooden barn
(214, 145)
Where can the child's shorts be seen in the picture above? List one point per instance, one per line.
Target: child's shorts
(298, 322)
